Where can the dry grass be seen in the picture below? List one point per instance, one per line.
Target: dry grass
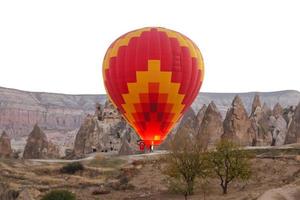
(145, 175)
(107, 162)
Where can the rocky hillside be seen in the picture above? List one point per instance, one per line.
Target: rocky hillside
(223, 100)
(62, 113)
(21, 110)
(261, 127)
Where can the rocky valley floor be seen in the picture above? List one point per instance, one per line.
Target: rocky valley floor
(140, 177)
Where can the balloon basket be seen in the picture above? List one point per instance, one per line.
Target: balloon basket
(146, 146)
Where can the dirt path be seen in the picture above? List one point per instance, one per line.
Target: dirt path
(91, 157)
(94, 155)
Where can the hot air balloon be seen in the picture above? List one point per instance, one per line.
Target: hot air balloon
(152, 75)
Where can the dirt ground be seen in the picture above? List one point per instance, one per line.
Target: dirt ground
(144, 178)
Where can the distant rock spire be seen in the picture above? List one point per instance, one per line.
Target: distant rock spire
(199, 117)
(201, 112)
(211, 127)
(277, 110)
(125, 148)
(5, 146)
(38, 147)
(237, 126)
(256, 103)
(266, 109)
(293, 135)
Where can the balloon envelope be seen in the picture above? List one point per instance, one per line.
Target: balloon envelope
(152, 75)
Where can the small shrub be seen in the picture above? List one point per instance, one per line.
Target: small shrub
(59, 195)
(124, 180)
(72, 168)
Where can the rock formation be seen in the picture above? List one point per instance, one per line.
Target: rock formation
(260, 123)
(278, 129)
(189, 115)
(104, 132)
(288, 114)
(38, 147)
(211, 127)
(277, 110)
(184, 135)
(60, 114)
(293, 135)
(82, 142)
(199, 117)
(5, 146)
(278, 126)
(125, 148)
(21, 110)
(189, 122)
(256, 103)
(99, 111)
(188, 128)
(266, 109)
(237, 126)
(269, 125)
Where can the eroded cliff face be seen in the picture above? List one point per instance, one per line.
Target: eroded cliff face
(20, 111)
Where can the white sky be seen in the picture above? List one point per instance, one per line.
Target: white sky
(58, 46)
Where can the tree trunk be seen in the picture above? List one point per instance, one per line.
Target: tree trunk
(185, 196)
(190, 187)
(224, 187)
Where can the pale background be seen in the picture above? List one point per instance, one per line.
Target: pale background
(58, 46)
